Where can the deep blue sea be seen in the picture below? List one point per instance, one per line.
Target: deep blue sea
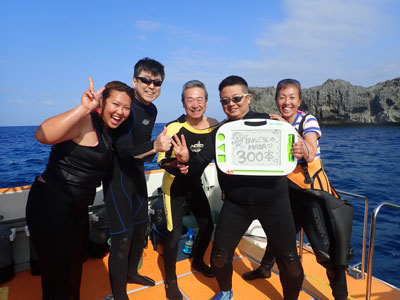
(361, 160)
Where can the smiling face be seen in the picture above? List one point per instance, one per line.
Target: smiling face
(194, 103)
(116, 108)
(146, 93)
(235, 111)
(288, 102)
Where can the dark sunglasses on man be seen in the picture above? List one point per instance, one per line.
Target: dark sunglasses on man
(148, 81)
(236, 99)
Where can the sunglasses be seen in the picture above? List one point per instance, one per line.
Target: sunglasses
(148, 81)
(236, 99)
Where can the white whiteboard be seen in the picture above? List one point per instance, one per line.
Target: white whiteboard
(256, 147)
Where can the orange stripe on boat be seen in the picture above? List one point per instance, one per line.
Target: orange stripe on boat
(15, 189)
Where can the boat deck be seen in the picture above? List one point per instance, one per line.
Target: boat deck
(95, 284)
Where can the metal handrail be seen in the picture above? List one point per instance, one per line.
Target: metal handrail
(372, 244)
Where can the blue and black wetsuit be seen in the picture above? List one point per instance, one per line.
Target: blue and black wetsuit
(57, 211)
(178, 188)
(125, 195)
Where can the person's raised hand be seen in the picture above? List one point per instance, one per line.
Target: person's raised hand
(162, 142)
(180, 148)
(91, 99)
(297, 149)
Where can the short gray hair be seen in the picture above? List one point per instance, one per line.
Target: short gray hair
(192, 84)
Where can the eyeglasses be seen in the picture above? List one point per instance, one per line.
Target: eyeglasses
(236, 99)
(148, 81)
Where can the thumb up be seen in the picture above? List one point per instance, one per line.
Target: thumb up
(163, 142)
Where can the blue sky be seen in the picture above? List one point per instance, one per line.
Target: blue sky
(49, 48)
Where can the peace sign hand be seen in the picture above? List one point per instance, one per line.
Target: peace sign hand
(180, 148)
(91, 99)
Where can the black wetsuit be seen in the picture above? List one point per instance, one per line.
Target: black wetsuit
(57, 211)
(310, 212)
(264, 198)
(177, 188)
(125, 195)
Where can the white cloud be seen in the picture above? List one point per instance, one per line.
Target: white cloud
(149, 26)
(15, 101)
(170, 31)
(314, 41)
(47, 102)
(329, 39)
(324, 25)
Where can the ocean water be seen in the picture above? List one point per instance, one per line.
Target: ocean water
(361, 160)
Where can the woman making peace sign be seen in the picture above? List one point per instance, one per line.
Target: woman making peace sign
(57, 207)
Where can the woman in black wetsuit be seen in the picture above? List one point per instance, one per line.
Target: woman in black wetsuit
(57, 207)
(177, 187)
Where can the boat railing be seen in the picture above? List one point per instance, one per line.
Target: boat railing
(357, 270)
(372, 243)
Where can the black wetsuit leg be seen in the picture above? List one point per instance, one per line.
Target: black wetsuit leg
(276, 220)
(59, 231)
(171, 242)
(128, 217)
(268, 259)
(337, 281)
(309, 212)
(233, 222)
(136, 249)
(118, 264)
(198, 204)
(316, 227)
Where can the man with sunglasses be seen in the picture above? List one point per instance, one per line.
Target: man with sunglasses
(246, 198)
(125, 190)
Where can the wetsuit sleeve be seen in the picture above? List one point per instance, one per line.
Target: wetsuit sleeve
(131, 151)
(199, 162)
(128, 151)
(127, 146)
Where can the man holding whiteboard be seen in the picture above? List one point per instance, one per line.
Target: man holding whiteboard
(247, 198)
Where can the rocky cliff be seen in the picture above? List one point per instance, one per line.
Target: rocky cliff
(338, 102)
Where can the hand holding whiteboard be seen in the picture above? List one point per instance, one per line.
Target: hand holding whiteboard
(261, 147)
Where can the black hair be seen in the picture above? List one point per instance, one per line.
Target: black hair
(234, 80)
(115, 86)
(284, 83)
(149, 65)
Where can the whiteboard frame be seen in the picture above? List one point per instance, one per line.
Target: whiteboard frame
(224, 147)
